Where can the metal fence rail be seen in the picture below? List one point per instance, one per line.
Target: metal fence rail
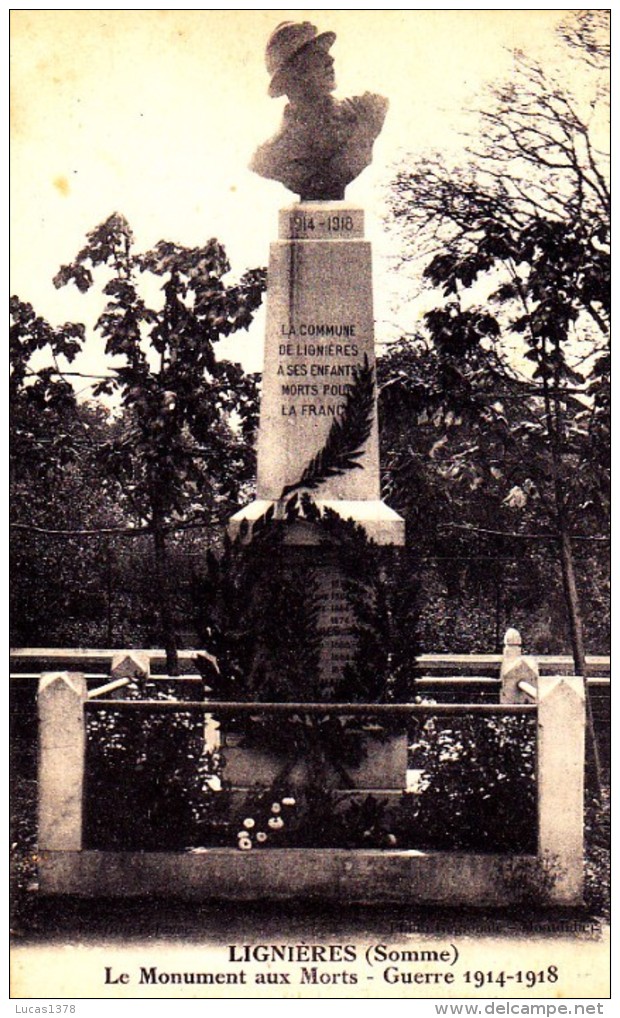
(243, 707)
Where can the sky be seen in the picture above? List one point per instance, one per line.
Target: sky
(155, 114)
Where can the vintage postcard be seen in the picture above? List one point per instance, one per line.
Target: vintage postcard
(310, 676)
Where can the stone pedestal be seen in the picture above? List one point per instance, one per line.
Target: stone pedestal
(383, 769)
(320, 329)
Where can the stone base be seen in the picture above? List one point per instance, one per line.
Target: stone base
(384, 766)
(382, 525)
(349, 876)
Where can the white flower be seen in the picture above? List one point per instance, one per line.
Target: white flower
(275, 823)
(288, 801)
(242, 834)
(391, 839)
(249, 822)
(261, 836)
(244, 844)
(516, 498)
(275, 807)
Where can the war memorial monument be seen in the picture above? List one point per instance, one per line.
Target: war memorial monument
(318, 458)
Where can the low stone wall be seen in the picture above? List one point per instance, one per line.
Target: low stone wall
(553, 876)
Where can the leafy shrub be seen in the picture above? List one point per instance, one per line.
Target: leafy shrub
(147, 777)
(477, 785)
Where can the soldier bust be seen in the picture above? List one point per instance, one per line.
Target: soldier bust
(323, 143)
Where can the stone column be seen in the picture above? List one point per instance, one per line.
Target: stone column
(62, 744)
(560, 766)
(320, 329)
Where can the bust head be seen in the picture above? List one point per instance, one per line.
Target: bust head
(310, 74)
(299, 61)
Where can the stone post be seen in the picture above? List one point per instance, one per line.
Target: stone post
(513, 644)
(515, 669)
(560, 773)
(130, 664)
(62, 743)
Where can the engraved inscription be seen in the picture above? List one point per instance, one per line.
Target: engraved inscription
(300, 224)
(312, 376)
(337, 627)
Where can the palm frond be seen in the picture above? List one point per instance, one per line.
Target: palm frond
(347, 436)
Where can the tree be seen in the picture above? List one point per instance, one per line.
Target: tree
(517, 241)
(587, 32)
(56, 485)
(180, 451)
(466, 462)
(59, 502)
